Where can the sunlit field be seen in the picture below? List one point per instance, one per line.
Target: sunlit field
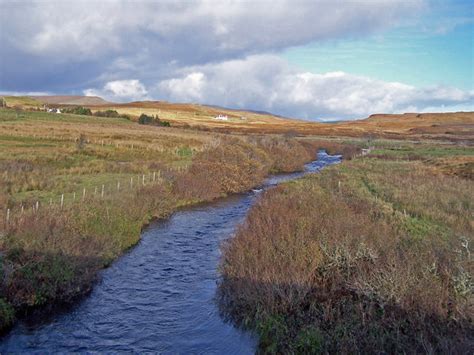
(373, 255)
(77, 190)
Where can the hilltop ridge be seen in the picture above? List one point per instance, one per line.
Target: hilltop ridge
(453, 126)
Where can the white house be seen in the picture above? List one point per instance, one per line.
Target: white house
(221, 117)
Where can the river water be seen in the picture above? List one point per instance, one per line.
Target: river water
(158, 297)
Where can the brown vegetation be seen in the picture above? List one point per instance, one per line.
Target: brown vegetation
(458, 126)
(52, 254)
(370, 256)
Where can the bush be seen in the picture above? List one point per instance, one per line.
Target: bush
(145, 119)
(111, 113)
(78, 110)
(344, 271)
(7, 315)
(152, 120)
(236, 166)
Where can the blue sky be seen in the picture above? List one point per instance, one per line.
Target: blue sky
(310, 59)
(419, 59)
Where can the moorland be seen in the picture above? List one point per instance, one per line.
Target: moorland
(371, 255)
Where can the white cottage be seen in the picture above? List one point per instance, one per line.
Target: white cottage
(221, 118)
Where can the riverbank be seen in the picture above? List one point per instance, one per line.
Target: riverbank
(52, 255)
(159, 296)
(372, 255)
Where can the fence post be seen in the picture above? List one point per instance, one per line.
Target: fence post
(22, 209)
(154, 176)
(131, 182)
(95, 190)
(83, 194)
(62, 200)
(8, 215)
(74, 196)
(102, 193)
(143, 179)
(37, 206)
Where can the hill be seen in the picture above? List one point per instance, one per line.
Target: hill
(71, 100)
(456, 126)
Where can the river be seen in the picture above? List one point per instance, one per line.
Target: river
(159, 296)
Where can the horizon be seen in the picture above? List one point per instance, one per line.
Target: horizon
(360, 58)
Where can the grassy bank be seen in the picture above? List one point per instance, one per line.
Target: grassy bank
(370, 256)
(112, 176)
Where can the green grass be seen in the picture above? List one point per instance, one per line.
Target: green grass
(22, 101)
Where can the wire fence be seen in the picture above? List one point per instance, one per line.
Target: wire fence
(13, 214)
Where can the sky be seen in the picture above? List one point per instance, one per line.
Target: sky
(316, 60)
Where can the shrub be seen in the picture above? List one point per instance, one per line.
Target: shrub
(145, 119)
(235, 165)
(7, 315)
(151, 120)
(111, 113)
(107, 113)
(78, 110)
(343, 271)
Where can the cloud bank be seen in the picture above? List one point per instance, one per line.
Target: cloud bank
(269, 83)
(216, 52)
(266, 82)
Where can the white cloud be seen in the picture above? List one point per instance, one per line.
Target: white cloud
(205, 51)
(266, 82)
(121, 91)
(85, 30)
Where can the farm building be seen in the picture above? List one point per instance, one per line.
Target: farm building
(221, 117)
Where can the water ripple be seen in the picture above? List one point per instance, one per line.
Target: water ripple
(160, 296)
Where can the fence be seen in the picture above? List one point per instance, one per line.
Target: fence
(12, 214)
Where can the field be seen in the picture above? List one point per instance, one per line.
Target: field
(373, 255)
(75, 192)
(454, 127)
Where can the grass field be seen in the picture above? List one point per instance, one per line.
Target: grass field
(41, 156)
(370, 256)
(456, 127)
(75, 192)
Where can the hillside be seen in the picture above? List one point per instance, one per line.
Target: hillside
(71, 100)
(457, 126)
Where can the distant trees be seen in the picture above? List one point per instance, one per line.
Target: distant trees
(111, 113)
(143, 119)
(78, 110)
(152, 120)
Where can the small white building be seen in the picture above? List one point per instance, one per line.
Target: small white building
(221, 117)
